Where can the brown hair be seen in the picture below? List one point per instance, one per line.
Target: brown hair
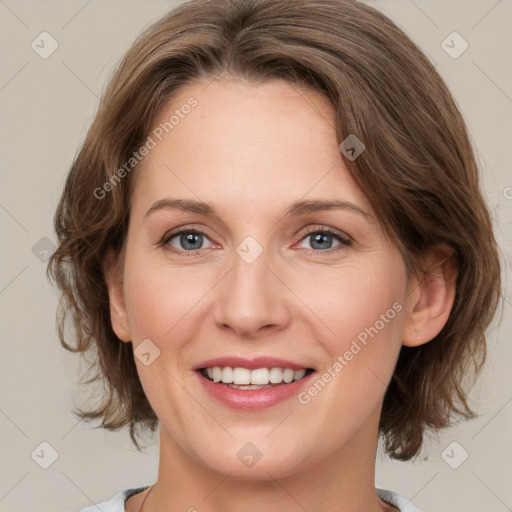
(418, 172)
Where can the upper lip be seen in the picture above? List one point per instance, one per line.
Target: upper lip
(251, 364)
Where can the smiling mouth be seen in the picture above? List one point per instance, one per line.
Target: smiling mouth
(258, 378)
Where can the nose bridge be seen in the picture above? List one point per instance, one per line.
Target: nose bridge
(252, 297)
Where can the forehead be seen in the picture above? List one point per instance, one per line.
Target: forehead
(246, 145)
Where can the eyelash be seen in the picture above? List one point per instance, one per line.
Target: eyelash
(344, 241)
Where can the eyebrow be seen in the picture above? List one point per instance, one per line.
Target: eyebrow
(296, 209)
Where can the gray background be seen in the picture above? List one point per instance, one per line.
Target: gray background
(47, 106)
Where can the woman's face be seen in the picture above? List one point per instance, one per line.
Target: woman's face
(263, 272)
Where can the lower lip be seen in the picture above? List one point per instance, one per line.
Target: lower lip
(252, 398)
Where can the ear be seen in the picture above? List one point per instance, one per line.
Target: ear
(114, 280)
(431, 296)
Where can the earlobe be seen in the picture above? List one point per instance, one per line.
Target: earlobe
(432, 297)
(114, 281)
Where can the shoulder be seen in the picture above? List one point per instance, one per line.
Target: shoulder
(115, 504)
(397, 500)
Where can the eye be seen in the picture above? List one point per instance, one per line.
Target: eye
(322, 240)
(189, 242)
(186, 240)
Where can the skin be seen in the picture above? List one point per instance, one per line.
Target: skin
(251, 150)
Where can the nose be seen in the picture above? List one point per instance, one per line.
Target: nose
(252, 298)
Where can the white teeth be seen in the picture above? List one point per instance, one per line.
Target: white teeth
(298, 374)
(288, 375)
(276, 375)
(217, 374)
(257, 377)
(227, 374)
(242, 376)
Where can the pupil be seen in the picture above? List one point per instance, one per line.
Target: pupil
(191, 238)
(321, 238)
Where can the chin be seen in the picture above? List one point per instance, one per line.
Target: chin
(248, 462)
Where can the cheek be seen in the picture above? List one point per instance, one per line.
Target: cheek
(355, 299)
(163, 304)
(364, 313)
(363, 309)
(161, 300)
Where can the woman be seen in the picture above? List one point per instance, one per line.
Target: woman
(275, 239)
